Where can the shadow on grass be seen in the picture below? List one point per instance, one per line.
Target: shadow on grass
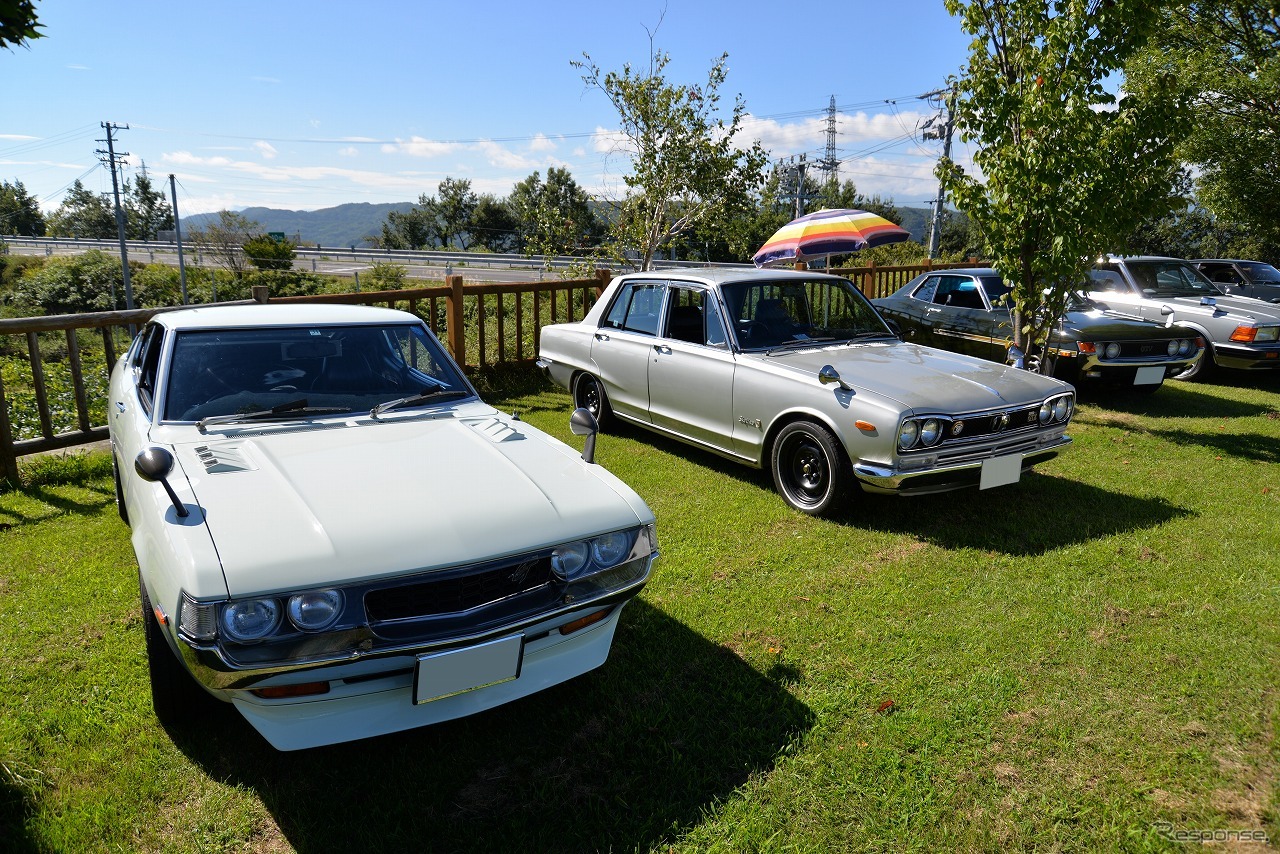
(10, 518)
(623, 758)
(1173, 400)
(16, 804)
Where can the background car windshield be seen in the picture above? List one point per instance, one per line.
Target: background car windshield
(1171, 279)
(1259, 272)
(767, 314)
(227, 371)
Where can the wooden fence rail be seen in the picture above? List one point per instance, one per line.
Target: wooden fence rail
(483, 325)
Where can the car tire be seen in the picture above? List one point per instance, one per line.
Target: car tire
(1201, 369)
(175, 696)
(810, 469)
(588, 394)
(120, 506)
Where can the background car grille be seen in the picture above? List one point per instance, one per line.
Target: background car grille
(1144, 349)
(457, 592)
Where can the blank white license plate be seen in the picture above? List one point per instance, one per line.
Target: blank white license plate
(456, 671)
(999, 471)
(1149, 376)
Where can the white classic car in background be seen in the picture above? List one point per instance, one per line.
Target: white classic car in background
(797, 372)
(335, 534)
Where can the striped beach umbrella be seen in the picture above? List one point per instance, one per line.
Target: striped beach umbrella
(827, 232)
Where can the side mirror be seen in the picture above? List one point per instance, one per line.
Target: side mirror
(828, 375)
(153, 465)
(1166, 310)
(583, 423)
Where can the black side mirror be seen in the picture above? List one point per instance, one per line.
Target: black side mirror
(153, 465)
(583, 423)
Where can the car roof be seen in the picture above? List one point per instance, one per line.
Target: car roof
(1224, 261)
(290, 314)
(725, 275)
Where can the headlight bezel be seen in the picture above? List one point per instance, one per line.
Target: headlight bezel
(597, 554)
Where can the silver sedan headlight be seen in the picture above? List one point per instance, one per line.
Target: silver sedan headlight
(908, 433)
(930, 431)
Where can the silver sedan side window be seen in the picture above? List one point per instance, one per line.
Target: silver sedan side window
(636, 308)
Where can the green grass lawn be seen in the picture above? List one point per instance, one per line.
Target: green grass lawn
(1087, 660)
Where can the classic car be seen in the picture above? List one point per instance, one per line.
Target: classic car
(969, 310)
(1240, 332)
(336, 535)
(1242, 278)
(796, 372)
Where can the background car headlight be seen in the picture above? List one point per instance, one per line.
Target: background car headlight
(1185, 347)
(1046, 411)
(315, 610)
(250, 619)
(1267, 333)
(1173, 347)
(609, 549)
(1111, 351)
(569, 559)
(907, 434)
(1061, 408)
(930, 431)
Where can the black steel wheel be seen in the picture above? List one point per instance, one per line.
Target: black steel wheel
(810, 470)
(175, 696)
(588, 394)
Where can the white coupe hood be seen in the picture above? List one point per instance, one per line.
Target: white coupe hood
(297, 506)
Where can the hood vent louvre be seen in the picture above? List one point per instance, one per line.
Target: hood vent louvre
(224, 458)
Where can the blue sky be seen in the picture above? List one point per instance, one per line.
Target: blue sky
(305, 105)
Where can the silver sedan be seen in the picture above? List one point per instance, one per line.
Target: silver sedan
(796, 372)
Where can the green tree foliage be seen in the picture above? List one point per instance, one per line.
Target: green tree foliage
(1066, 171)
(687, 168)
(444, 220)
(224, 240)
(266, 253)
(554, 217)
(847, 196)
(493, 225)
(82, 214)
(19, 211)
(384, 276)
(1224, 57)
(409, 229)
(18, 23)
(72, 284)
(147, 212)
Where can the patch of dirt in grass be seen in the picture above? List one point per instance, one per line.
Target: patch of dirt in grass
(903, 550)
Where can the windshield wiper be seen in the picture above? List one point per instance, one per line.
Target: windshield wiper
(283, 411)
(798, 342)
(418, 400)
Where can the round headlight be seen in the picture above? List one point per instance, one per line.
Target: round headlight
(907, 434)
(930, 431)
(1111, 351)
(250, 619)
(1185, 346)
(1173, 348)
(316, 610)
(1061, 408)
(610, 549)
(569, 559)
(1046, 411)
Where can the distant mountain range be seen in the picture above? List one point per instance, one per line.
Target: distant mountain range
(350, 224)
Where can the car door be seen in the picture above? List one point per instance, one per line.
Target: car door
(959, 318)
(691, 369)
(133, 401)
(623, 344)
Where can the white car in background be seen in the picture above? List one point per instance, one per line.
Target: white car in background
(338, 537)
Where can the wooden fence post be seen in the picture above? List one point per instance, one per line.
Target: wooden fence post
(603, 277)
(8, 459)
(453, 317)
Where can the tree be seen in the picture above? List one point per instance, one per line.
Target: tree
(267, 253)
(493, 225)
(453, 210)
(148, 213)
(224, 240)
(847, 196)
(554, 217)
(18, 23)
(82, 214)
(686, 168)
(19, 211)
(1224, 55)
(409, 229)
(1066, 170)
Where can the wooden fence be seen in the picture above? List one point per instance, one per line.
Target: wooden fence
(482, 324)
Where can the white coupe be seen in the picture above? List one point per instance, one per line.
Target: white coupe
(337, 536)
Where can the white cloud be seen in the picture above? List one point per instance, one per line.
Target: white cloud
(418, 147)
(266, 149)
(349, 151)
(17, 136)
(542, 142)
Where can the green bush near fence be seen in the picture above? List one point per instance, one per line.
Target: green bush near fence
(24, 413)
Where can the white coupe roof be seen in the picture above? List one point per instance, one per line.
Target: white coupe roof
(280, 314)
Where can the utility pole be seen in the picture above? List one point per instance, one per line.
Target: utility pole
(942, 132)
(120, 226)
(800, 168)
(177, 227)
(831, 164)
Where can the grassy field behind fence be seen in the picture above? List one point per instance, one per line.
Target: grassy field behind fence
(1087, 660)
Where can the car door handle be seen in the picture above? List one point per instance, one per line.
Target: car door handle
(663, 349)
(600, 336)
(119, 406)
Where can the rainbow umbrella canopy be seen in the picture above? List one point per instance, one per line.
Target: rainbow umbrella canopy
(826, 233)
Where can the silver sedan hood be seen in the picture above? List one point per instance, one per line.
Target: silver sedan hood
(297, 506)
(920, 378)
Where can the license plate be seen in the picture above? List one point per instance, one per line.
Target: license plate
(456, 671)
(1000, 471)
(1149, 376)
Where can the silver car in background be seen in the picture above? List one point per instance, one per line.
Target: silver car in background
(1241, 332)
(796, 372)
